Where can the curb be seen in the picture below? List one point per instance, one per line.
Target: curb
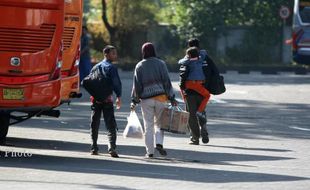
(266, 70)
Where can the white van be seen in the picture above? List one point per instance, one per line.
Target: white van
(301, 32)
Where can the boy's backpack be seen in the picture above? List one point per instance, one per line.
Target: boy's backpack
(98, 84)
(215, 81)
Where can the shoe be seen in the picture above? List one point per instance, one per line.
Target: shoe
(149, 155)
(191, 142)
(113, 154)
(204, 135)
(94, 149)
(205, 139)
(94, 152)
(161, 150)
(202, 116)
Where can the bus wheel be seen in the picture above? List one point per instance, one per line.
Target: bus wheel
(4, 127)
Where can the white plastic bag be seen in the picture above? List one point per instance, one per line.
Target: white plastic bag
(133, 128)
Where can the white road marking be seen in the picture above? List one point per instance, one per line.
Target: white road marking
(299, 128)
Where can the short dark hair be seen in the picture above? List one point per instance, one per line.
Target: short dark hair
(192, 52)
(107, 49)
(193, 42)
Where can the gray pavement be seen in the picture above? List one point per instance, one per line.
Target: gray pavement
(259, 139)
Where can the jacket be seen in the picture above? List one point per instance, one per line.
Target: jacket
(151, 78)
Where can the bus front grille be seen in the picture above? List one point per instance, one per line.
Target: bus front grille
(26, 40)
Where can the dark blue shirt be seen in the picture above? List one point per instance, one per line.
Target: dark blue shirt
(112, 73)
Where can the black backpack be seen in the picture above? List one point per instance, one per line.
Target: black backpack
(215, 81)
(98, 84)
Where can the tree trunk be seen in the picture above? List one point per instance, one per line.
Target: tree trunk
(111, 29)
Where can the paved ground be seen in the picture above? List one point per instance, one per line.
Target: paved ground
(259, 134)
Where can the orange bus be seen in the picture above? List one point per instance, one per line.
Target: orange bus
(71, 55)
(31, 58)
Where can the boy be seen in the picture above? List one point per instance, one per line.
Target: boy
(106, 106)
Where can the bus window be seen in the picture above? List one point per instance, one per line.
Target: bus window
(304, 13)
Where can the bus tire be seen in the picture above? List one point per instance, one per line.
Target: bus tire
(4, 127)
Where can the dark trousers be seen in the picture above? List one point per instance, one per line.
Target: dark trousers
(197, 126)
(108, 114)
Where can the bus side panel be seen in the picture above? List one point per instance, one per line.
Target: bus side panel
(71, 39)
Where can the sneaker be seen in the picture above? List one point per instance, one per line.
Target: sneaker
(149, 155)
(204, 135)
(191, 142)
(94, 149)
(113, 154)
(94, 152)
(161, 150)
(202, 117)
(205, 139)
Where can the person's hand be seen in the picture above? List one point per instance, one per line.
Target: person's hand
(118, 103)
(173, 102)
(132, 106)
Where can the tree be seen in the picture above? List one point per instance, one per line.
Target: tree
(121, 16)
(206, 19)
(111, 29)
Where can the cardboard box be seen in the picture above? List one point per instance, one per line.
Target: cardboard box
(174, 120)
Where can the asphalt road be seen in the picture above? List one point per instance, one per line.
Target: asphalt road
(259, 139)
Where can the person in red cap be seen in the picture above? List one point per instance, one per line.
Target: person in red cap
(152, 88)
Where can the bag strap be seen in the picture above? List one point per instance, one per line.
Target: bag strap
(100, 70)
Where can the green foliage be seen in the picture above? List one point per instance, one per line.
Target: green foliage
(210, 14)
(124, 18)
(94, 11)
(127, 14)
(206, 19)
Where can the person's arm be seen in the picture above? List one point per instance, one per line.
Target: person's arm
(184, 61)
(184, 71)
(117, 86)
(213, 69)
(167, 84)
(116, 81)
(136, 87)
(209, 69)
(136, 90)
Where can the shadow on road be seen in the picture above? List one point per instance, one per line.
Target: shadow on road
(246, 119)
(145, 170)
(132, 152)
